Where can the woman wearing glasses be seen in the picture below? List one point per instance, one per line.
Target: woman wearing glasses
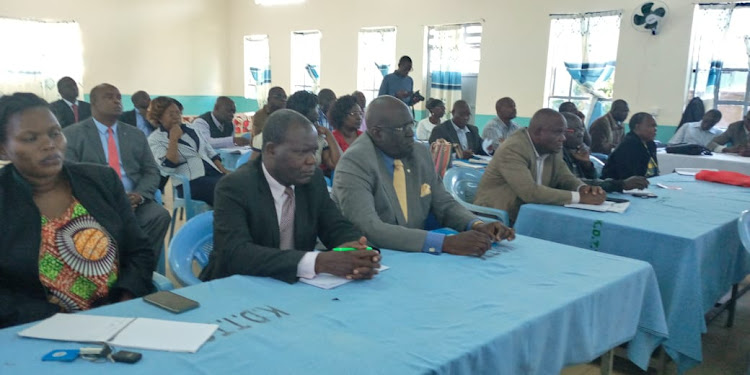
(346, 118)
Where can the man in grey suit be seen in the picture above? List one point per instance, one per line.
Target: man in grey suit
(367, 195)
(90, 141)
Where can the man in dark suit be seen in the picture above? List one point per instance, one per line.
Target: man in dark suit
(103, 140)
(636, 155)
(137, 116)
(269, 213)
(69, 110)
(457, 130)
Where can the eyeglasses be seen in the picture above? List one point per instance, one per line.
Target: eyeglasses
(355, 114)
(403, 129)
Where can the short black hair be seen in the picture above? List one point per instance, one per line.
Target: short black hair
(279, 123)
(94, 94)
(11, 105)
(404, 59)
(568, 107)
(340, 110)
(637, 119)
(302, 102)
(432, 103)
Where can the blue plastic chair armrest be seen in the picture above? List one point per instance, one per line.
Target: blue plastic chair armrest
(161, 282)
(492, 213)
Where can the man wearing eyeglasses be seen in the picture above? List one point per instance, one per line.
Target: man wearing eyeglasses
(577, 157)
(387, 186)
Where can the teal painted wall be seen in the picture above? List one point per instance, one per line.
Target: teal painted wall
(197, 104)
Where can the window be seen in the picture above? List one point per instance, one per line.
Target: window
(377, 53)
(305, 61)
(581, 61)
(720, 58)
(257, 68)
(453, 56)
(57, 52)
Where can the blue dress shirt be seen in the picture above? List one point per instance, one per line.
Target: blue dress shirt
(127, 183)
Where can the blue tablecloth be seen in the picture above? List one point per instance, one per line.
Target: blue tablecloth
(689, 236)
(529, 307)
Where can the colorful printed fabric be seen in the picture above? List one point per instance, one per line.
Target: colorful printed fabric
(77, 259)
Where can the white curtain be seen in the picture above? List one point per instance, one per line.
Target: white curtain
(445, 58)
(36, 54)
(713, 22)
(257, 68)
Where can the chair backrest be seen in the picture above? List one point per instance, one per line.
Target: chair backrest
(244, 158)
(598, 165)
(743, 226)
(193, 242)
(462, 183)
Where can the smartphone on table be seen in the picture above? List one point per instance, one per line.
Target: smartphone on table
(171, 301)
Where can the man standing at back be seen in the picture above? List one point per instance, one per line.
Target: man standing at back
(137, 116)
(607, 131)
(269, 214)
(217, 126)
(69, 110)
(529, 168)
(399, 84)
(386, 185)
(102, 139)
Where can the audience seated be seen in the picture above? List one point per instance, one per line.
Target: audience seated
(457, 130)
(306, 104)
(399, 84)
(270, 212)
(577, 157)
(499, 128)
(694, 111)
(326, 98)
(346, 117)
(51, 210)
(179, 149)
(217, 126)
(607, 131)
(387, 186)
(572, 108)
(276, 101)
(736, 134)
(137, 116)
(130, 157)
(436, 107)
(700, 132)
(69, 109)
(529, 168)
(362, 101)
(636, 155)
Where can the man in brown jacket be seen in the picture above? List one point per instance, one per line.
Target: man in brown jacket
(607, 131)
(529, 168)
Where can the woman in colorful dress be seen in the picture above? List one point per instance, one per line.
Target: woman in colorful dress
(68, 238)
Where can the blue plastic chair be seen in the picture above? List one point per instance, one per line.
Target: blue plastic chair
(462, 184)
(193, 242)
(161, 282)
(185, 205)
(743, 226)
(244, 158)
(598, 165)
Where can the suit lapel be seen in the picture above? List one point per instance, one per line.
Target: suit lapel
(452, 132)
(92, 136)
(266, 203)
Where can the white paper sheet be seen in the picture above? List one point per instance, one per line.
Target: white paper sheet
(77, 327)
(640, 192)
(459, 163)
(604, 207)
(328, 281)
(166, 335)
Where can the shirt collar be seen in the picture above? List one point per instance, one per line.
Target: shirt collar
(459, 130)
(69, 103)
(277, 189)
(216, 122)
(536, 153)
(103, 128)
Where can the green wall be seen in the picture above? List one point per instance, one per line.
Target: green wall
(196, 104)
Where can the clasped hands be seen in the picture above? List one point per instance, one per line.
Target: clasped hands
(354, 265)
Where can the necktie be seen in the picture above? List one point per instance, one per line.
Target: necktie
(113, 158)
(75, 111)
(286, 225)
(399, 184)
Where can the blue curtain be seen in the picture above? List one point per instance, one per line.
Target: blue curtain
(383, 69)
(713, 76)
(261, 77)
(446, 81)
(587, 74)
(312, 70)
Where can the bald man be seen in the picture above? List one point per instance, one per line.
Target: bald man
(217, 126)
(457, 130)
(529, 168)
(501, 127)
(386, 185)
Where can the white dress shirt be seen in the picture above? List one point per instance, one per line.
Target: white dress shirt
(201, 126)
(461, 135)
(575, 197)
(693, 134)
(306, 265)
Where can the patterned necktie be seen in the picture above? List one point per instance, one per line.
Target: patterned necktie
(113, 157)
(399, 184)
(75, 112)
(286, 225)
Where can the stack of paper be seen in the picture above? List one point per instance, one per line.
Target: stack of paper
(141, 333)
(607, 206)
(328, 281)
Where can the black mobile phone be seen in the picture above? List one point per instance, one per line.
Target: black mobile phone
(171, 301)
(617, 200)
(125, 356)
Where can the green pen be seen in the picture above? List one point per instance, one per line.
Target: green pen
(349, 248)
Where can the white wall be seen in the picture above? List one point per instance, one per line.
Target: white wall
(175, 47)
(651, 71)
